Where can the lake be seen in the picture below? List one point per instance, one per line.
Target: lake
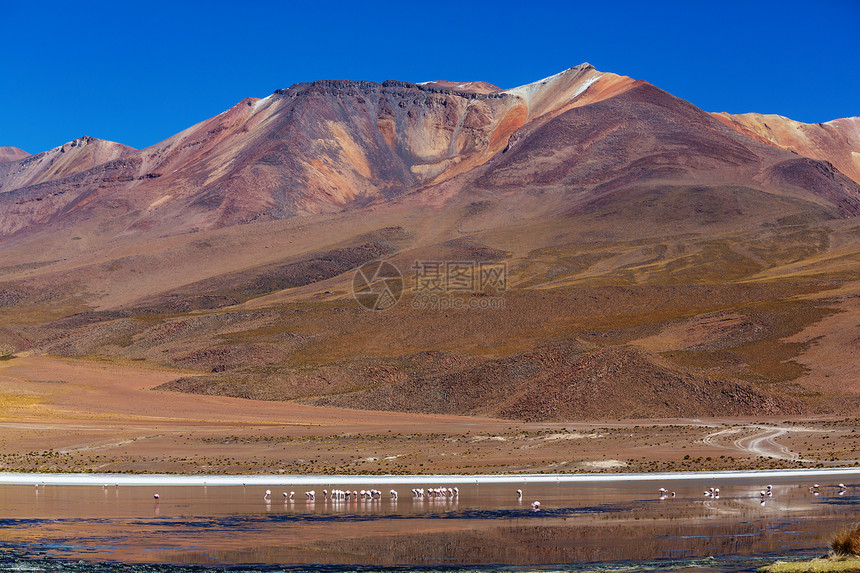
(601, 522)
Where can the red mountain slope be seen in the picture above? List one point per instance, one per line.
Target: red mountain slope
(312, 148)
(646, 140)
(836, 141)
(11, 154)
(70, 158)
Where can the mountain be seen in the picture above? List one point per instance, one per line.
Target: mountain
(647, 141)
(11, 154)
(330, 145)
(36, 187)
(836, 141)
(649, 249)
(310, 149)
(70, 158)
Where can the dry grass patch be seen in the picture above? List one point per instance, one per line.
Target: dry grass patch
(9, 402)
(820, 565)
(847, 542)
(844, 556)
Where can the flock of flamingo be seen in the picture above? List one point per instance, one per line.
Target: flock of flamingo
(340, 495)
(337, 495)
(767, 492)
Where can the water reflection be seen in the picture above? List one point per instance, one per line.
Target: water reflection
(610, 522)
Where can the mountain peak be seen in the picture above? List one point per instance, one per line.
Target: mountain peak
(569, 88)
(85, 140)
(12, 154)
(72, 157)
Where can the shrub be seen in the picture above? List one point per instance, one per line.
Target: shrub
(847, 542)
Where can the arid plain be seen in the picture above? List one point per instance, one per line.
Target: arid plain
(104, 417)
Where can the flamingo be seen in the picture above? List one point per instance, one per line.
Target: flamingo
(393, 494)
(519, 494)
(536, 505)
(268, 494)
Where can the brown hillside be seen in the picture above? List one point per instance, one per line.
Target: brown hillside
(658, 263)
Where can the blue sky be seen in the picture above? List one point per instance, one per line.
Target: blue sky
(139, 72)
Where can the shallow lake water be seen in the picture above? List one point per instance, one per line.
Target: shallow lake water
(592, 525)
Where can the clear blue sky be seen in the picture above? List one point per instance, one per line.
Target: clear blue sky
(139, 72)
